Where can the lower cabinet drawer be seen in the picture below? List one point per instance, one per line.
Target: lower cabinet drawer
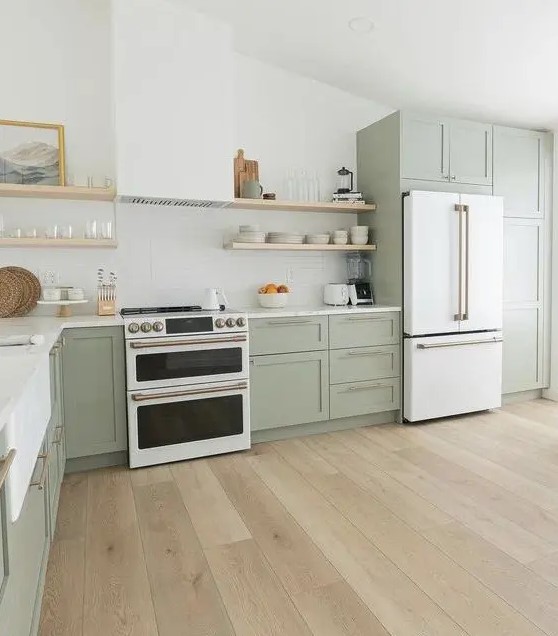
(362, 330)
(362, 398)
(289, 334)
(363, 363)
(288, 389)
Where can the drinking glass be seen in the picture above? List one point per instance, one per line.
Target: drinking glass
(91, 230)
(106, 230)
(66, 231)
(52, 232)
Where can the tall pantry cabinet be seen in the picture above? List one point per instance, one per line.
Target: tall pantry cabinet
(407, 151)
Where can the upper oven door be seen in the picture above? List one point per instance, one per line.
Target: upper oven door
(164, 362)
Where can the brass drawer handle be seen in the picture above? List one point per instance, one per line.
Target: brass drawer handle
(60, 435)
(363, 318)
(42, 479)
(363, 353)
(363, 388)
(279, 323)
(5, 465)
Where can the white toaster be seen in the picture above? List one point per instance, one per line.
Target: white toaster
(336, 294)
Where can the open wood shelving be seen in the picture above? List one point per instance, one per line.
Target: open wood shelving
(299, 247)
(300, 206)
(44, 242)
(77, 193)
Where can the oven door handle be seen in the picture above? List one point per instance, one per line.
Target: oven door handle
(149, 344)
(142, 397)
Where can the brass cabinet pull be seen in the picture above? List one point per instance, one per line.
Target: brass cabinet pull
(5, 464)
(173, 343)
(363, 388)
(369, 317)
(362, 353)
(279, 323)
(42, 479)
(459, 343)
(142, 397)
(60, 434)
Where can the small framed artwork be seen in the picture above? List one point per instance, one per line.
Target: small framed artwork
(31, 153)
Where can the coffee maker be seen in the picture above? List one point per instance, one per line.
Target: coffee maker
(359, 272)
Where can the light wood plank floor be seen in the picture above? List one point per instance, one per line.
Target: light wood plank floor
(443, 529)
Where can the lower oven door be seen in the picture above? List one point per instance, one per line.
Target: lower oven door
(168, 425)
(165, 362)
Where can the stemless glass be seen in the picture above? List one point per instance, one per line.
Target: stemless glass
(91, 230)
(106, 230)
(52, 232)
(65, 231)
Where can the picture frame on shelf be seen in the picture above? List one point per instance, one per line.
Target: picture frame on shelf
(31, 153)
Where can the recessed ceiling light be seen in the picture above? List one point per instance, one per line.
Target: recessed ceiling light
(361, 25)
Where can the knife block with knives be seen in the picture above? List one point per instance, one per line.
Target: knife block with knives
(106, 294)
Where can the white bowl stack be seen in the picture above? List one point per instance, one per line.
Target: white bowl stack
(359, 234)
(273, 301)
(250, 234)
(340, 237)
(318, 239)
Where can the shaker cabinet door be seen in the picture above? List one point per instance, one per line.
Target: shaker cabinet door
(470, 153)
(288, 389)
(424, 148)
(94, 391)
(519, 170)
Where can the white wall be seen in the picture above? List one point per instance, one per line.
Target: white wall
(56, 68)
(287, 121)
(169, 255)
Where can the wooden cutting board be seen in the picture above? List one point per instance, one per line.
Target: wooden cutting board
(244, 170)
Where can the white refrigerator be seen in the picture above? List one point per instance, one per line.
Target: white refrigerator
(452, 296)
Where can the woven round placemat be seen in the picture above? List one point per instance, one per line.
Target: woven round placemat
(11, 292)
(31, 290)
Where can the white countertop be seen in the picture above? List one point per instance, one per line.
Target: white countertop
(321, 310)
(18, 364)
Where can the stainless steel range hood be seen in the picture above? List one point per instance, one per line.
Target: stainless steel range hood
(168, 202)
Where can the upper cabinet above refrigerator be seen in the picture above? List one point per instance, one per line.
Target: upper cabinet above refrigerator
(450, 150)
(173, 94)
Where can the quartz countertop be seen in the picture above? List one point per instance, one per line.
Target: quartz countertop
(19, 363)
(321, 310)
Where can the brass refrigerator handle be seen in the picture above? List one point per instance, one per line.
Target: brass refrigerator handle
(465, 315)
(6, 462)
(149, 344)
(459, 315)
(142, 397)
(459, 343)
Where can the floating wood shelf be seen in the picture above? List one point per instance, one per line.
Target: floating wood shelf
(300, 247)
(44, 242)
(57, 192)
(301, 206)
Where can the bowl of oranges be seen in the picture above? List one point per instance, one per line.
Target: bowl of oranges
(272, 296)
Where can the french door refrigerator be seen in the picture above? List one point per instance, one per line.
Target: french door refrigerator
(452, 295)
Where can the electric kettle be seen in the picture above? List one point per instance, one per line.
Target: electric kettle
(215, 299)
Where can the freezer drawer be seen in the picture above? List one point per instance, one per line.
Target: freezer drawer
(449, 375)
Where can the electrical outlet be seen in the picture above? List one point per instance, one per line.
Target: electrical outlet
(289, 275)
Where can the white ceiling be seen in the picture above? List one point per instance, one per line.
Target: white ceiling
(488, 59)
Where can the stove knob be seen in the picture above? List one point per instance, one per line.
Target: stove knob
(158, 326)
(146, 327)
(241, 322)
(231, 322)
(219, 323)
(133, 327)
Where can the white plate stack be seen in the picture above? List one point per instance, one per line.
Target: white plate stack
(285, 238)
(250, 234)
(317, 239)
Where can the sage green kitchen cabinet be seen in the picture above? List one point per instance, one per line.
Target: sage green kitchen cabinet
(425, 150)
(289, 334)
(28, 544)
(363, 363)
(288, 389)
(364, 398)
(470, 152)
(522, 160)
(94, 391)
(451, 150)
(361, 330)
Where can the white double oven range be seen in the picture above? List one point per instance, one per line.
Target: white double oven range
(187, 383)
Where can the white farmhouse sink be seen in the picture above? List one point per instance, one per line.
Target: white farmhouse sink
(25, 430)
